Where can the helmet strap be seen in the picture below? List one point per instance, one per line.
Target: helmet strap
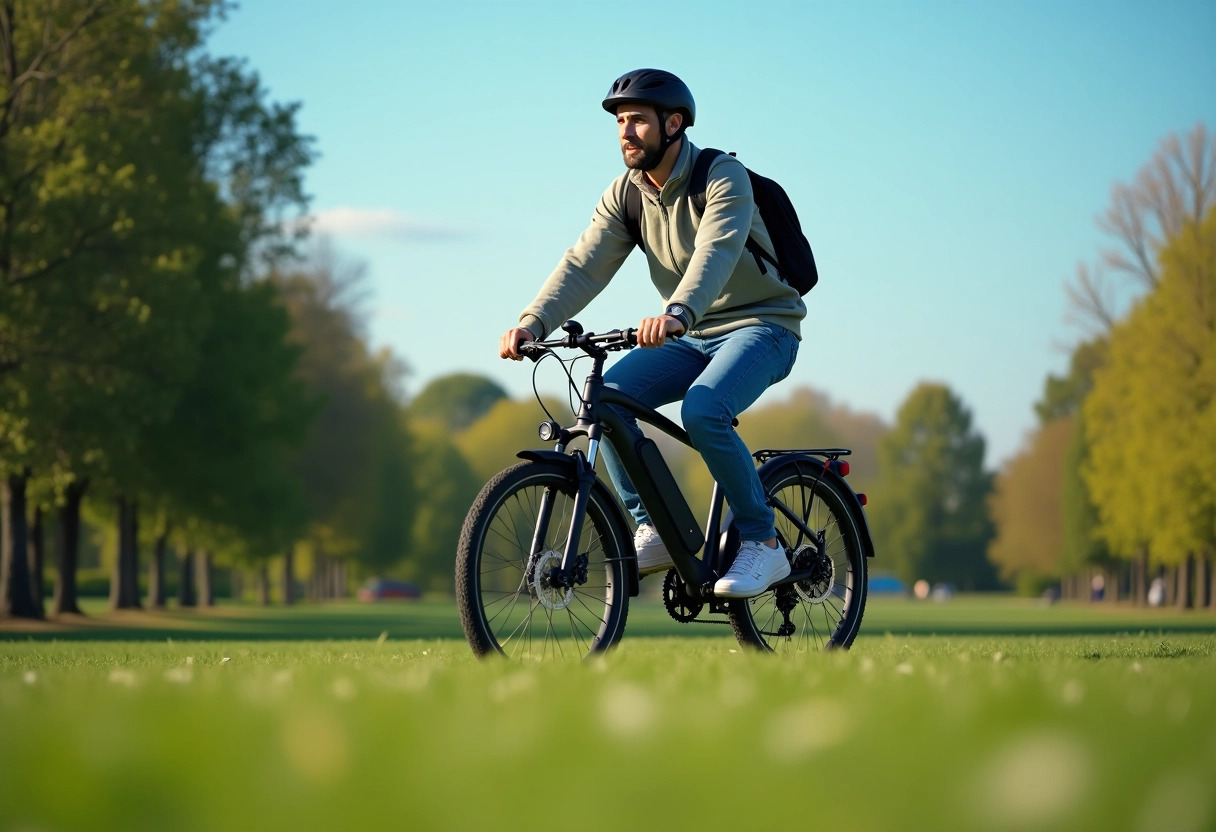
(665, 141)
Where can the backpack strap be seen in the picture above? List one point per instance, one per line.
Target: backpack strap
(633, 213)
(698, 182)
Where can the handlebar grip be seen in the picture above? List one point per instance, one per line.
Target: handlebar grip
(531, 349)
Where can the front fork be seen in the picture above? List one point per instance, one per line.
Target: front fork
(573, 569)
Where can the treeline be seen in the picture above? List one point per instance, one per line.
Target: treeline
(169, 370)
(1114, 496)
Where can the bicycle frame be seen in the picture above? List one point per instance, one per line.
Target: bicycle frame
(698, 556)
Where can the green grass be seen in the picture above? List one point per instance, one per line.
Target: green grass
(1011, 716)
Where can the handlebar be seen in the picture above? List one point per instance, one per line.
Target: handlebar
(590, 342)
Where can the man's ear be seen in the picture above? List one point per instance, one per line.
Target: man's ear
(674, 121)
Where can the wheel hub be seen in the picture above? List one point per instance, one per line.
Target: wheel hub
(550, 594)
(816, 588)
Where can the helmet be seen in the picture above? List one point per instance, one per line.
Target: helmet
(661, 90)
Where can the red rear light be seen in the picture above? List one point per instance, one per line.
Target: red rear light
(842, 468)
(864, 500)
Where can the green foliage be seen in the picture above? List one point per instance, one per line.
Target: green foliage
(457, 400)
(1081, 544)
(355, 468)
(929, 516)
(1026, 506)
(1150, 416)
(1063, 396)
(446, 487)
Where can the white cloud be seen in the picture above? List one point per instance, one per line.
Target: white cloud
(384, 223)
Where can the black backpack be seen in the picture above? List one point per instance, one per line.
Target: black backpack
(792, 255)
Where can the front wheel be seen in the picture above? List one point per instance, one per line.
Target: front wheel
(823, 611)
(510, 552)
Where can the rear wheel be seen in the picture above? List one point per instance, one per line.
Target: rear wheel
(824, 610)
(512, 598)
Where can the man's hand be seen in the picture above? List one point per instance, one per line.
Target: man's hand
(653, 331)
(508, 344)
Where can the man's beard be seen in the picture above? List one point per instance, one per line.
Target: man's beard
(646, 160)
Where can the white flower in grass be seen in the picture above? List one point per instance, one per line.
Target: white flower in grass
(905, 669)
(512, 685)
(343, 689)
(179, 675)
(1034, 781)
(123, 677)
(1073, 692)
(627, 710)
(29, 677)
(801, 730)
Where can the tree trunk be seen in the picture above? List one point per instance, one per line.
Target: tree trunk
(16, 600)
(124, 585)
(236, 583)
(202, 564)
(156, 572)
(1112, 584)
(1211, 580)
(185, 585)
(1202, 582)
(1183, 595)
(68, 549)
(37, 559)
(1140, 579)
(289, 575)
(263, 585)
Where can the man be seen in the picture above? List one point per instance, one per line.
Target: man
(733, 322)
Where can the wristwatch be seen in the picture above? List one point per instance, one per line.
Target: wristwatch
(680, 313)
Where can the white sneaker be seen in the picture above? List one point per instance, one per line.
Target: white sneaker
(652, 554)
(756, 568)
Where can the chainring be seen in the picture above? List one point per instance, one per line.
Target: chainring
(680, 605)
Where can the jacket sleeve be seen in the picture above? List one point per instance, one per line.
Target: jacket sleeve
(721, 237)
(585, 269)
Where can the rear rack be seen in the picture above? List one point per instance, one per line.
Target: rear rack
(827, 453)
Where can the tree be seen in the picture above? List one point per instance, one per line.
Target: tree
(133, 174)
(1026, 508)
(457, 400)
(1148, 420)
(1173, 191)
(930, 515)
(355, 467)
(446, 486)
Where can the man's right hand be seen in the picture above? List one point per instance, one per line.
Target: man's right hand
(508, 344)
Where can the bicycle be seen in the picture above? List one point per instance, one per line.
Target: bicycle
(546, 552)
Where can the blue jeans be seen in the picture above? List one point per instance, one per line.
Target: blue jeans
(718, 378)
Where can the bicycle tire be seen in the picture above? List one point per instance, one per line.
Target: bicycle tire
(826, 613)
(496, 571)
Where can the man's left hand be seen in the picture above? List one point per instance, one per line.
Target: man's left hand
(652, 332)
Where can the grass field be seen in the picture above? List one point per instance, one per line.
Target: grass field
(977, 714)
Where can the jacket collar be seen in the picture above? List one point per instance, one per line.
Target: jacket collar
(679, 173)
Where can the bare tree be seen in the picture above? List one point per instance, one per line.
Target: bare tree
(1175, 188)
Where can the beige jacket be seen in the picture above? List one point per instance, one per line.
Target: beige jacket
(701, 265)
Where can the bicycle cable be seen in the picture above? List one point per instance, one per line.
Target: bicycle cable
(572, 386)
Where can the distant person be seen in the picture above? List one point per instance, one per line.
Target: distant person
(1156, 592)
(733, 322)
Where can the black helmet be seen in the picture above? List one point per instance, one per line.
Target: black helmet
(661, 90)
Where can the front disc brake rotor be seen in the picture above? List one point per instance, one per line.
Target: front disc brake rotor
(551, 596)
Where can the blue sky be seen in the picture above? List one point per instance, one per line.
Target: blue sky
(948, 161)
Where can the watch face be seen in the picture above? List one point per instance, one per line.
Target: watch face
(675, 310)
